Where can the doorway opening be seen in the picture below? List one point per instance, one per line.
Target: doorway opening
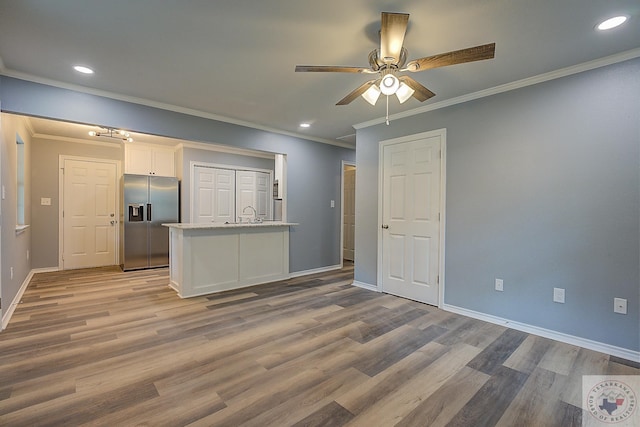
(348, 213)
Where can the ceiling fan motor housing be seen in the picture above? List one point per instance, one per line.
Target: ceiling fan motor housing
(377, 63)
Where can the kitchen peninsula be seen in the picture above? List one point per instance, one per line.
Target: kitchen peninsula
(207, 258)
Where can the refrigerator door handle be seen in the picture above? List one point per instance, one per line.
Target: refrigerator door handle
(148, 211)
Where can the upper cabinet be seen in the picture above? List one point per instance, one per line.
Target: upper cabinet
(145, 159)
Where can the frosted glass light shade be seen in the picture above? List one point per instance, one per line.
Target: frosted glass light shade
(404, 92)
(372, 94)
(389, 84)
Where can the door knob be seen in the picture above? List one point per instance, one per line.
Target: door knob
(113, 222)
(385, 226)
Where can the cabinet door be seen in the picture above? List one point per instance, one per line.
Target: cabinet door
(137, 160)
(163, 162)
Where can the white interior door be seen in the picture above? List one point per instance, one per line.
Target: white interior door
(245, 194)
(89, 214)
(214, 195)
(264, 193)
(253, 189)
(411, 219)
(349, 216)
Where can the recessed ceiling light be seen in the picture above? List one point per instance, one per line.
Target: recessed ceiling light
(611, 23)
(82, 69)
(305, 125)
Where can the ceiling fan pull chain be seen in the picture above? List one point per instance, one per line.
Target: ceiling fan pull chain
(387, 110)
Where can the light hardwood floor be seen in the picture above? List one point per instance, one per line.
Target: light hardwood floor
(103, 347)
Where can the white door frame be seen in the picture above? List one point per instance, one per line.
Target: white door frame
(61, 159)
(443, 174)
(344, 163)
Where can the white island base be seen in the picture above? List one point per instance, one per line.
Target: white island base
(209, 258)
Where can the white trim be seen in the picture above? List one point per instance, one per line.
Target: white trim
(442, 133)
(168, 107)
(563, 72)
(366, 286)
(61, 159)
(45, 270)
(315, 271)
(21, 228)
(623, 353)
(220, 148)
(16, 300)
(116, 145)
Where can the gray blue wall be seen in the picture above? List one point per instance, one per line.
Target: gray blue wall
(14, 244)
(543, 191)
(313, 168)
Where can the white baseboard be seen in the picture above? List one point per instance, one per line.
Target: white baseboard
(315, 271)
(45, 270)
(12, 307)
(366, 286)
(612, 350)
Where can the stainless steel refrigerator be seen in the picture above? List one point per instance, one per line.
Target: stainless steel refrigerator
(149, 202)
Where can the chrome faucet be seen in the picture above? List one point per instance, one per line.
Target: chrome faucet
(255, 213)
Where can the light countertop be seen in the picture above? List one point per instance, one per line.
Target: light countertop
(197, 226)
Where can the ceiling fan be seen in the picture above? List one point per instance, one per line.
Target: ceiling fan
(391, 59)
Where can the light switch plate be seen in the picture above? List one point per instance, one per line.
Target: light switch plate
(558, 295)
(499, 285)
(45, 201)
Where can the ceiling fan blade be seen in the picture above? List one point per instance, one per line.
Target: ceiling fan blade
(392, 31)
(356, 93)
(421, 93)
(477, 53)
(330, 69)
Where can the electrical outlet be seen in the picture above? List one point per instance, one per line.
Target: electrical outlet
(558, 295)
(620, 305)
(333, 203)
(499, 285)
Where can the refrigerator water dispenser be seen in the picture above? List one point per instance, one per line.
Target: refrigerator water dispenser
(136, 213)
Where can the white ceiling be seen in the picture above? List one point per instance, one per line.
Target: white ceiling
(236, 58)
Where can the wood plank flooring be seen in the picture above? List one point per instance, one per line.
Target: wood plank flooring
(107, 348)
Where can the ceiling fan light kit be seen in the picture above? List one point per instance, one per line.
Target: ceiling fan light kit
(390, 59)
(372, 94)
(389, 84)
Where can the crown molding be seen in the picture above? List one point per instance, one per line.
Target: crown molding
(228, 149)
(163, 106)
(552, 75)
(116, 145)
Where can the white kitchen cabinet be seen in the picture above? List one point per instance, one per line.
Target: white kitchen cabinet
(143, 159)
